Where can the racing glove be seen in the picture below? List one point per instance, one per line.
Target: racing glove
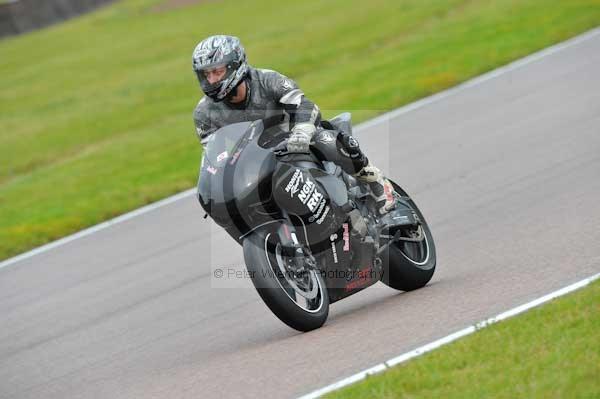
(299, 140)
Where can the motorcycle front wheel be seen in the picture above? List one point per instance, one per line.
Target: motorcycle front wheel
(299, 300)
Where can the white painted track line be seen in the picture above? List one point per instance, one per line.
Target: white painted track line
(447, 339)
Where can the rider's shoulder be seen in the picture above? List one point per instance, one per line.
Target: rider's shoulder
(264, 72)
(274, 81)
(266, 75)
(203, 107)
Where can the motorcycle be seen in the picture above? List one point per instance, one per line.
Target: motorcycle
(311, 234)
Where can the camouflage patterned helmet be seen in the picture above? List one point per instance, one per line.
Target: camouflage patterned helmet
(214, 52)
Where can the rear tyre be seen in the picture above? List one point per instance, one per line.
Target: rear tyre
(300, 302)
(410, 265)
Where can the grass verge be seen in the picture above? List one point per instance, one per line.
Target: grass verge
(95, 113)
(549, 352)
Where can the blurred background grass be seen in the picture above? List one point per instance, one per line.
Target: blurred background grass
(96, 113)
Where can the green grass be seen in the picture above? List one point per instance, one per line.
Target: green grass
(95, 113)
(549, 352)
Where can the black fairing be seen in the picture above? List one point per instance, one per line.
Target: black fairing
(350, 266)
(313, 198)
(243, 185)
(235, 186)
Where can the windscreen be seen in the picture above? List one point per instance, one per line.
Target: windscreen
(223, 142)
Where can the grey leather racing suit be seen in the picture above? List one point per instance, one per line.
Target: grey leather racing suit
(273, 96)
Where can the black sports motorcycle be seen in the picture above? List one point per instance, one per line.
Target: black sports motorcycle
(310, 233)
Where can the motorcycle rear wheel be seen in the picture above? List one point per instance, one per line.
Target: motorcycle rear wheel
(408, 265)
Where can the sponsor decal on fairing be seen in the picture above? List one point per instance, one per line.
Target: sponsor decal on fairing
(346, 237)
(322, 218)
(294, 183)
(309, 195)
(315, 199)
(235, 157)
(222, 156)
(307, 190)
(211, 170)
(332, 238)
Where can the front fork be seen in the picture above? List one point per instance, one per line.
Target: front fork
(298, 257)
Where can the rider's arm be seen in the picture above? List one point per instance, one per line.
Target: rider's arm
(301, 110)
(286, 92)
(305, 116)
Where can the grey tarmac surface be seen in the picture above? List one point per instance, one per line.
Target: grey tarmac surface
(507, 173)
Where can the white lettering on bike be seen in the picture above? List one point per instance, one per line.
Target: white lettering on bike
(314, 200)
(322, 218)
(320, 209)
(309, 194)
(333, 249)
(306, 191)
(292, 186)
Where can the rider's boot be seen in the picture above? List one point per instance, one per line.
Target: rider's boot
(380, 186)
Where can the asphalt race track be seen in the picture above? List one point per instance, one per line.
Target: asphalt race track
(507, 172)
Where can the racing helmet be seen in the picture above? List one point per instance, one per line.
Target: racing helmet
(216, 52)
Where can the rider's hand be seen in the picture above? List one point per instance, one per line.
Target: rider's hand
(299, 140)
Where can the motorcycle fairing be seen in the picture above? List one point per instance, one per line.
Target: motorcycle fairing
(237, 198)
(357, 253)
(308, 193)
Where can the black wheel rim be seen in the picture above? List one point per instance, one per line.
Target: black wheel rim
(298, 289)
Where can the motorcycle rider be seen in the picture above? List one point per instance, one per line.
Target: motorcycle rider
(236, 92)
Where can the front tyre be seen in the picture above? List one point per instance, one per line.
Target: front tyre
(301, 302)
(410, 265)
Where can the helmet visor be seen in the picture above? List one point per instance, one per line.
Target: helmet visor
(213, 76)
